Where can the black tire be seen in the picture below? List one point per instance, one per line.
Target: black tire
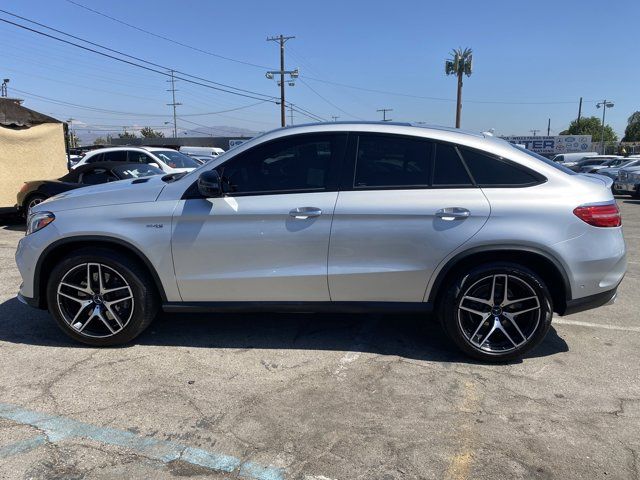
(144, 303)
(462, 326)
(36, 197)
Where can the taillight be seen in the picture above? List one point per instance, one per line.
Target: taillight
(600, 215)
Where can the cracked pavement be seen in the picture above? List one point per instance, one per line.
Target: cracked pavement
(327, 397)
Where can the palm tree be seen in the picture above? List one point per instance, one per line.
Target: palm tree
(460, 64)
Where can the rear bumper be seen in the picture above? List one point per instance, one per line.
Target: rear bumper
(590, 302)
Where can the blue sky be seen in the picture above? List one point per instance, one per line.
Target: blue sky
(531, 62)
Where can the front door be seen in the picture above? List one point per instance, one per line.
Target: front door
(267, 238)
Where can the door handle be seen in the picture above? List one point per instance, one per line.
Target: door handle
(453, 213)
(302, 213)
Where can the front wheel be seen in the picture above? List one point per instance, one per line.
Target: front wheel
(101, 297)
(497, 312)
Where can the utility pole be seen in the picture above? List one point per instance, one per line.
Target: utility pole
(579, 112)
(72, 135)
(291, 112)
(604, 104)
(173, 103)
(281, 39)
(335, 118)
(534, 131)
(384, 113)
(3, 88)
(549, 127)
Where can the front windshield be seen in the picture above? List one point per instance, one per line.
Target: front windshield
(176, 159)
(551, 163)
(137, 171)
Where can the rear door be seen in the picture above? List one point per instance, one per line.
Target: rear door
(405, 204)
(267, 238)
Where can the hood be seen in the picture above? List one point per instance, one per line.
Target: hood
(121, 192)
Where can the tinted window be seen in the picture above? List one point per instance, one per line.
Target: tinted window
(298, 163)
(384, 161)
(448, 168)
(97, 176)
(138, 157)
(136, 171)
(488, 170)
(592, 162)
(116, 156)
(545, 160)
(95, 158)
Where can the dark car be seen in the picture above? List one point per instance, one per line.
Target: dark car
(36, 191)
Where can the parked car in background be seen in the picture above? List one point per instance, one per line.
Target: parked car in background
(366, 217)
(211, 151)
(610, 161)
(612, 172)
(628, 181)
(37, 191)
(572, 157)
(202, 159)
(169, 161)
(588, 162)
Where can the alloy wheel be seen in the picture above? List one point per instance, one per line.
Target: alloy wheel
(499, 313)
(33, 202)
(95, 300)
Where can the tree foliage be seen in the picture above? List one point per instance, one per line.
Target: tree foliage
(591, 126)
(102, 140)
(148, 132)
(127, 135)
(632, 132)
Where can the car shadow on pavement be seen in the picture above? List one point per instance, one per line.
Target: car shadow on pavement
(632, 202)
(407, 336)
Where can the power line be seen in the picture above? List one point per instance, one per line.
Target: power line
(206, 52)
(138, 59)
(327, 101)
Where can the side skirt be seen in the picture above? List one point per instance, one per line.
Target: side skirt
(298, 307)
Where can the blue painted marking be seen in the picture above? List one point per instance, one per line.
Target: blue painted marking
(58, 428)
(22, 446)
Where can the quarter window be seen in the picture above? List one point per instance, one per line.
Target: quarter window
(385, 161)
(448, 169)
(298, 163)
(490, 171)
(95, 158)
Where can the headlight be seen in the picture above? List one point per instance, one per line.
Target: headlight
(634, 177)
(39, 220)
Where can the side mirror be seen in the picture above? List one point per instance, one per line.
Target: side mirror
(209, 184)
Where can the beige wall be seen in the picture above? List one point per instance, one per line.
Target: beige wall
(35, 153)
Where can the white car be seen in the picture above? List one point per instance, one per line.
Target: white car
(169, 161)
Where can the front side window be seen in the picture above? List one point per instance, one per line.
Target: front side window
(95, 158)
(97, 176)
(134, 156)
(490, 171)
(386, 161)
(293, 164)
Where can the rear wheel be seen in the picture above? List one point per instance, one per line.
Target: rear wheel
(100, 297)
(497, 312)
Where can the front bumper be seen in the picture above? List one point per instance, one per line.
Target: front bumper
(627, 188)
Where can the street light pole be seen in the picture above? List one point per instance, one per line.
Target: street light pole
(604, 104)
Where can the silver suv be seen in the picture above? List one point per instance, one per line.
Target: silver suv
(356, 217)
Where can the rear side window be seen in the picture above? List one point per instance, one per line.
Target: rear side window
(387, 161)
(95, 158)
(116, 156)
(138, 157)
(448, 169)
(489, 171)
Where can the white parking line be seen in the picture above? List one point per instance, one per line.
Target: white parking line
(558, 321)
(362, 339)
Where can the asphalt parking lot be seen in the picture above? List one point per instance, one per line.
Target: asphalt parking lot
(318, 397)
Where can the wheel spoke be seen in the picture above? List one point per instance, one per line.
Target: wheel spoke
(476, 299)
(519, 300)
(506, 290)
(98, 314)
(108, 304)
(525, 310)
(114, 315)
(471, 310)
(111, 290)
(79, 300)
(509, 317)
(484, 319)
(100, 286)
(501, 328)
(486, 337)
(75, 287)
(80, 310)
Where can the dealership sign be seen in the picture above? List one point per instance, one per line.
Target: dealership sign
(554, 144)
